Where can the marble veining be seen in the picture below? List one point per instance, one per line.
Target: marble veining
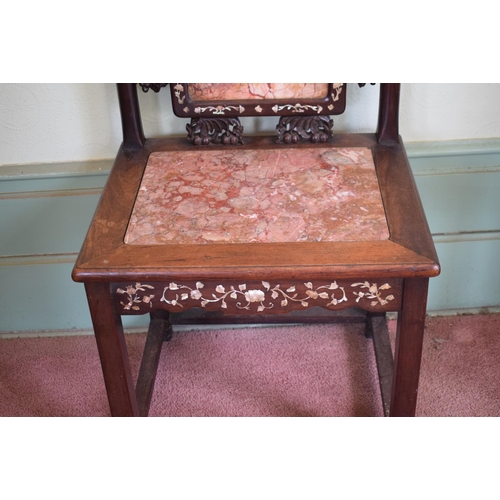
(241, 91)
(258, 196)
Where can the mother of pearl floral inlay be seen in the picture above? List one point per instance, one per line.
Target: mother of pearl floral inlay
(265, 297)
(254, 296)
(258, 196)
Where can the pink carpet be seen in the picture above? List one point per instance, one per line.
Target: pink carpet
(317, 370)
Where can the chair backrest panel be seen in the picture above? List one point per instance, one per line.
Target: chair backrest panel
(333, 103)
(198, 100)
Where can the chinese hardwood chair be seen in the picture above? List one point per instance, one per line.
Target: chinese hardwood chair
(218, 225)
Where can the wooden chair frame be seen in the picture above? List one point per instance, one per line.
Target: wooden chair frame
(406, 261)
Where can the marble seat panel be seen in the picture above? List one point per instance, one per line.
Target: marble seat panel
(258, 196)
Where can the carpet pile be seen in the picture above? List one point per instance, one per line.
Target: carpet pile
(309, 370)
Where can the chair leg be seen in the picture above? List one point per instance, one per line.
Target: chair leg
(383, 357)
(113, 353)
(160, 330)
(408, 352)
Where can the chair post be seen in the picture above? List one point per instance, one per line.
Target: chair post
(133, 135)
(388, 116)
(112, 349)
(408, 351)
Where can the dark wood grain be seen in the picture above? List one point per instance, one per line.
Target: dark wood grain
(112, 351)
(133, 135)
(314, 315)
(408, 351)
(159, 330)
(404, 211)
(383, 357)
(388, 118)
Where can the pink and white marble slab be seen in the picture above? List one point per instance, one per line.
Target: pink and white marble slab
(258, 196)
(242, 91)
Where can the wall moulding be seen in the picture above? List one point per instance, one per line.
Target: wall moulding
(41, 256)
(427, 157)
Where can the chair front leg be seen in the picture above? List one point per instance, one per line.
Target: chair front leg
(113, 353)
(408, 352)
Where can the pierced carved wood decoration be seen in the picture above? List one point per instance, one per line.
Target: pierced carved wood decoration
(293, 129)
(257, 297)
(155, 87)
(203, 131)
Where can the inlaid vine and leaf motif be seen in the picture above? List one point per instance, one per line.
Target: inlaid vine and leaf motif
(337, 90)
(262, 299)
(132, 299)
(297, 108)
(179, 93)
(374, 293)
(254, 297)
(218, 110)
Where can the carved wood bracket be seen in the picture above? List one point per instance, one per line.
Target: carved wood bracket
(293, 129)
(203, 131)
(156, 87)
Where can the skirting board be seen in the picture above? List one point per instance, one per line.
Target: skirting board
(45, 211)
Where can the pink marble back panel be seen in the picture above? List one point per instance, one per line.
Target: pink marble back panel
(241, 91)
(275, 195)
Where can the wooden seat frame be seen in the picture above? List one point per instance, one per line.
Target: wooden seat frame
(120, 278)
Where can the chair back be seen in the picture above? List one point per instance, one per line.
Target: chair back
(214, 109)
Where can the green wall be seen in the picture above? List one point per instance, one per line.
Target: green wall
(45, 211)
